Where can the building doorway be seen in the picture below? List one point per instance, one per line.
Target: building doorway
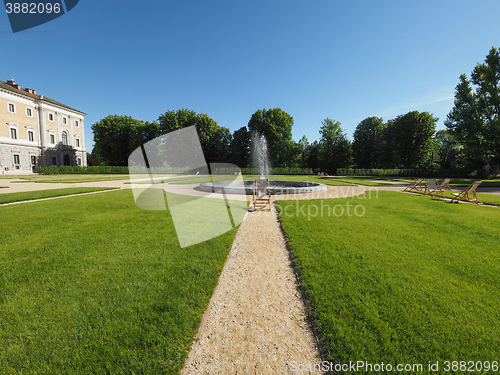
(66, 160)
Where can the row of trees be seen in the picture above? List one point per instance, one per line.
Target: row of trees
(403, 142)
(472, 136)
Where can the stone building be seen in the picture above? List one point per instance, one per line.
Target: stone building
(38, 131)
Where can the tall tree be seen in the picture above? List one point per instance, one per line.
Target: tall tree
(466, 124)
(214, 139)
(240, 147)
(413, 139)
(475, 118)
(115, 137)
(367, 146)
(276, 126)
(487, 79)
(447, 149)
(303, 146)
(312, 156)
(335, 149)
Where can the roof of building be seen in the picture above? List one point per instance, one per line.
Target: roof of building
(15, 88)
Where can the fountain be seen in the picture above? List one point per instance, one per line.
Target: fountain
(260, 161)
(260, 154)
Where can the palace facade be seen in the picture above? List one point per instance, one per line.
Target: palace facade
(38, 131)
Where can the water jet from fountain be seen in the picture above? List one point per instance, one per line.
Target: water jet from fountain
(260, 154)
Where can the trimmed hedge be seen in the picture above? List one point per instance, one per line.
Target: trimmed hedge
(283, 171)
(457, 173)
(103, 169)
(66, 169)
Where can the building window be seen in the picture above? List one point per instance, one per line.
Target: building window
(51, 117)
(33, 160)
(78, 161)
(65, 120)
(31, 136)
(52, 139)
(64, 138)
(12, 108)
(76, 123)
(29, 112)
(17, 160)
(54, 160)
(13, 133)
(77, 142)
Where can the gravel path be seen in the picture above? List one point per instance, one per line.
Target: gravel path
(256, 322)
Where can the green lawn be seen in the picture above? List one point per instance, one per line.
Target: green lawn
(360, 181)
(399, 278)
(456, 182)
(39, 194)
(95, 285)
(67, 178)
(483, 198)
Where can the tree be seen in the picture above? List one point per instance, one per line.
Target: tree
(367, 146)
(302, 149)
(475, 118)
(276, 126)
(115, 137)
(335, 149)
(487, 79)
(446, 148)
(312, 156)
(466, 123)
(214, 139)
(413, 139)
(240, 147)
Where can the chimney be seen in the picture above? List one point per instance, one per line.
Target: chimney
(13, 83)
(30, 91)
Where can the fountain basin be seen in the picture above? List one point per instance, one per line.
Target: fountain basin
(276, 187)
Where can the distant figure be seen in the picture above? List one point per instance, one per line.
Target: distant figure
(197, 173)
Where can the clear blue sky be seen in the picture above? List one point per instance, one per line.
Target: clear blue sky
(346, 60)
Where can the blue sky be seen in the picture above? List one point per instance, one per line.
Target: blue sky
(346, 60)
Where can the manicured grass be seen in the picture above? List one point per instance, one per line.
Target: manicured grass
(361, 181)
(67, 178)
(412, 280)
(483, 198)
(457, 182)
(95, 285)
(39, 194)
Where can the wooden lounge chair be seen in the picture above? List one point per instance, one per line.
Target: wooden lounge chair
(468, 194)
(261, 194)
(445, 185)
(432, 188)
(416, 185)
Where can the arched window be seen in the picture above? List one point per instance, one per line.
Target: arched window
(64, 138)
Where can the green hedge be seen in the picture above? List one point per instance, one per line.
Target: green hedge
(66, 169)
(458, 173)
(103, 169)
(275, 171)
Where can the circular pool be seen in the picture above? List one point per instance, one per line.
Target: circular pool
(276, 187)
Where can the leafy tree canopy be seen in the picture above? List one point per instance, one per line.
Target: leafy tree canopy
(367, 146)
(276, 126)
(334, 147)
(475, 117)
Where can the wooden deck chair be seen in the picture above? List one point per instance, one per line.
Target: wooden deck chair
(445, 185)
(261, 194)
(432, 188)
(468, 194)
(415, 185)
